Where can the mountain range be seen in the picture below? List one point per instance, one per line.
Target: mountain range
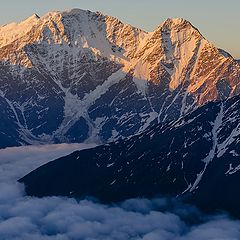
(81, 76)
(162, 106)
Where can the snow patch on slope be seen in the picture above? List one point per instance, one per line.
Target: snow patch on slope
(216, 127)
(76, 108)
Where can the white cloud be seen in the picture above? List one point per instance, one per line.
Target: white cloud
(18, 161)
(56, 218)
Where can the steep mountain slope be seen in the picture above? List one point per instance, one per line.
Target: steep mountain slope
(79, 76)
(196, 157)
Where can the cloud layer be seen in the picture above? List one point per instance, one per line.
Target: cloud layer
(56, 218)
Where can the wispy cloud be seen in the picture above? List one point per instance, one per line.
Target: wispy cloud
(56, 218)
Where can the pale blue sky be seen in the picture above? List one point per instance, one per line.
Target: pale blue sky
(218, 20)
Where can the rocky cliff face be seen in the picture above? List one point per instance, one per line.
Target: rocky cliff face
(79, 76)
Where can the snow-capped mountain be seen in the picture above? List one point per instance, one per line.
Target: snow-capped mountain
(78, 76)
(196, 157)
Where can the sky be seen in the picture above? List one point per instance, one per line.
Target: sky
(217, 20)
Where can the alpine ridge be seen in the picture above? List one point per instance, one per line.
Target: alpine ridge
(80, 76)
(196, 158)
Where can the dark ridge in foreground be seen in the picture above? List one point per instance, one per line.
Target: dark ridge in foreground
(196, 157)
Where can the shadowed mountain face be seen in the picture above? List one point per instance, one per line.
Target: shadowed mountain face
(196, 157)
(81, 76)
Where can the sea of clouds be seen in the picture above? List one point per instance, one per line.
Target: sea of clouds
(55, 218)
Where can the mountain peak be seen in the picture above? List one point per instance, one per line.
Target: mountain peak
(74, 11)
(31, 19)
(12, 31)
(178, 25)
(175, 21)
(35, 16)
